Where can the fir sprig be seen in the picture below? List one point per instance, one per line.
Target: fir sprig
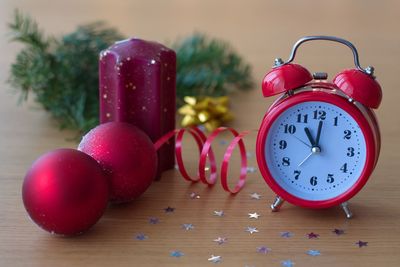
(209, 67)
(62, 73)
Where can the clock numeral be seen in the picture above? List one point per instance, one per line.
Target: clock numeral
(296, 174)
(313, 181)
(319, 115)
(350, 151)
(290, 128)
(282, 144)
(347, 134)
(302, 118)
(330, 178)
(344, 168)
(335, 121)
(286, 161)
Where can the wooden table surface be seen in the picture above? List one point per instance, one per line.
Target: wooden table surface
(260, 31)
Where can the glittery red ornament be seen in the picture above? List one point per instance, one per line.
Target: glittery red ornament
(65, 192)
(126, 154)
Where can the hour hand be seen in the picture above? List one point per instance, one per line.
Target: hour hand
(308, 133)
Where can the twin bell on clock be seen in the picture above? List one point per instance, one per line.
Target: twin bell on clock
(319, 141)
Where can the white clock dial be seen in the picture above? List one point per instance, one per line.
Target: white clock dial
(309, 168)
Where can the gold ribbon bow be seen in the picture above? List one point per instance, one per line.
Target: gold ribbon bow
(211, 112)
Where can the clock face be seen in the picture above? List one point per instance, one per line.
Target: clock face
(315, 151)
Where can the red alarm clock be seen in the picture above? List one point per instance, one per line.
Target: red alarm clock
(319, 142)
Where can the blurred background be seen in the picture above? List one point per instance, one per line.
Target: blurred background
(259, 30)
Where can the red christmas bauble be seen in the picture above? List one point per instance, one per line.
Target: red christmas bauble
(65, 192)
(126, 154)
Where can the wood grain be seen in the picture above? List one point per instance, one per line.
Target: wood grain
(260, 31)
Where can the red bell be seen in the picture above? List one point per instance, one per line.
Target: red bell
(284, 78)
(359, 86)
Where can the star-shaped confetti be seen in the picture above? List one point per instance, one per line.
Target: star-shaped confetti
(219, 213)
(362, 244)
(286, 234)
(141, 237)
(188, 226)
(254, 215)
(169, 209)
(201, 127)
(263, 250)
(194, 195)
(255, 196)
(287, 263)
(215, 259)
(153, 220)
(251, 230)
(220, 240)
(313, 252)
(251, 170)
(176, 254)
(312, 235)
(338, 231)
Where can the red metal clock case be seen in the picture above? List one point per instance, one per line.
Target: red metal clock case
(326, 93)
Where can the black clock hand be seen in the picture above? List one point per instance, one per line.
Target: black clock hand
(318, 133)
(308, 133)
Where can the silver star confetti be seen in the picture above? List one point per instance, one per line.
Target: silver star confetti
(215, 259)
(251, 170)
(263, 250)
(251, 230)
(194, 195)
(254, 215)
(169, 209)
(187, 226)
(201, 128)
(219, 213)
(220, 240)
(312, 235)
(223, 142)
(286, 234)
(141, 237)
(313, 252)
(176, 254)
(362, 244)
(287, 263)
(338, 231)
(255, 196)
(153, 220)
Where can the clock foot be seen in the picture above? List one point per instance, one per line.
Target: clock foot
(276, 205)
(346, 209)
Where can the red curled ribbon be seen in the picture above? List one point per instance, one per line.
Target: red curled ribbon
(206, 152)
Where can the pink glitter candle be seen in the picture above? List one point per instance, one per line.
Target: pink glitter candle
(137, 85)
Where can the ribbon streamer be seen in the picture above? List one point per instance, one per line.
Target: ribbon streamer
(204, 145)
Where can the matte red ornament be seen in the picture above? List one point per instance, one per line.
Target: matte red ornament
(359, 86)
(284, 78)
(65, 192)
(127, 156)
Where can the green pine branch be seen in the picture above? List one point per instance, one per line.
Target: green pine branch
(62, 73)
(209, 67)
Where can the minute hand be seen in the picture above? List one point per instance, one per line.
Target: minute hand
(318, 133)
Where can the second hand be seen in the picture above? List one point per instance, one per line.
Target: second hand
(301, 141)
